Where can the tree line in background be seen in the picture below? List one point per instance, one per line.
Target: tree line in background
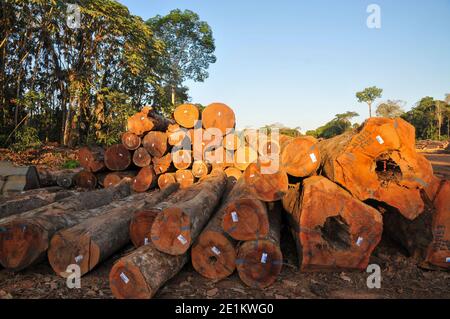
(429, 116)
(77, 83)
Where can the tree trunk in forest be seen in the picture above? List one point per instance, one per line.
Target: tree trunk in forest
(24, 238)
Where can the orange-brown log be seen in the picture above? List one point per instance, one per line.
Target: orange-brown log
(91, 158)
(166, 179)
(85, 179)
(201, 169)
(182, 159)
(142, 221)
(179, 137)
(245, 217)
(213, 254)
(114, 178)
(176, 227)
(24, 238)
(141, 157)
(244, 156)
(438, 253)
(233, 172)
(186, 115)
(162, 164)
(92, 241)
(117, 158)
(259, 262)
(220, 116)
(184, 177)
(131, 141)
(379, 162)
(231, 141)
(63, 178)
(147, 120)
(300, 156)
(333, 230)
(267, 182)
(144, 180)
(140, 274)
(155, 143)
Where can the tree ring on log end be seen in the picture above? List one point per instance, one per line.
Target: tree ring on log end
(127, 282)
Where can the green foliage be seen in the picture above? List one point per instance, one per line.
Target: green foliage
(390, 109)
(71, 164)
(340, 124)
(26, 137)
(369, 95)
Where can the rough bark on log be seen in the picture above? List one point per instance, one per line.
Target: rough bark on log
(379, 162)
(117, 158)
(245, 216)
(166, 179)
(220, 116)
(259, 262)
(140, 274)
(267, 183)
(85, 179)
(91, 158)
(162, 164)
(62, 178)
(32, 201)
(184, 177)
(333, 230)
(300, 156)
(92, 241)
(144, 180)
(141, 157)
(24, 238)
(155, 143)
(131, 141)
(201, 169)
(176, 227)
(147, 120)
(186, 115)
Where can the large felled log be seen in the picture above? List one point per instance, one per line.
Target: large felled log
(142, 221)
(117, 158)
(131, 141)
(186, 115)
(17, 179)
(92, 241)
(162, 164)
(32, 201)
(438, 254)
(259, 262)
(24, 238)
(155, 143)
(62, 178)
(379, 162)
(141, 157)
(144, 180)
(333, 230)
(147, 120)
(176, 227)
(91, 158)
(140, 274)
(85, 179)
(300, 156)
(245, 217)
(213, 254)
(269, 183)
(23, 194)
(220, 116)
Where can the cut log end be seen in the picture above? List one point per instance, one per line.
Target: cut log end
(186, 115)
(117, 158)
(141, 226)
(182, 159)
(164, 180)
(213, 256)
(300, 157)
(141, 157)
(131, 141)
(184, 177)
(200, 169)
(155, 143)
(171, 231)
(127, 282)
(259, 263)
(91, 158)
(85, 179)
(220, 116)
(246, 219)
(144, 180)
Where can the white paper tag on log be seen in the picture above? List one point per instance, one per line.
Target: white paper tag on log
(182, 239)
(380, 139)
(359, 241)
(313, 157)
(234, 217)
(215, 250)
(447, 260)
(78, 258)
(145, 241)
(124, 278)
(264, 258)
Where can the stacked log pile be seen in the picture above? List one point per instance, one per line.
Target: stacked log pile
(223, 195)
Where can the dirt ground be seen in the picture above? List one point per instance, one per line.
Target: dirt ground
(401, 277)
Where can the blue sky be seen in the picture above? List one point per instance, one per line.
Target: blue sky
(300, 62)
